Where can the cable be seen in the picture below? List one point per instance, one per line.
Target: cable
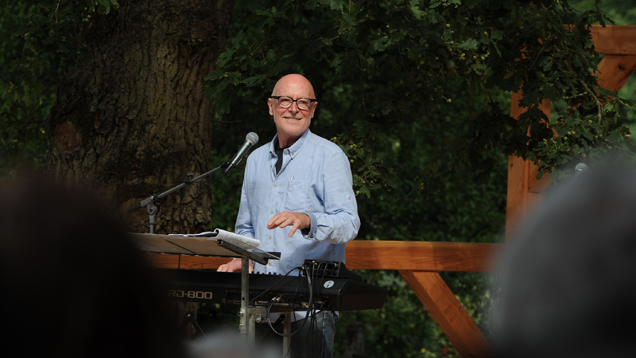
(312, 317)
(319, 279)
(274, 285)
(271, 303)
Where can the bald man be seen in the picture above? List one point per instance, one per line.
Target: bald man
(297, 199)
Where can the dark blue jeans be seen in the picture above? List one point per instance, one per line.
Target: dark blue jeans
(315, 338)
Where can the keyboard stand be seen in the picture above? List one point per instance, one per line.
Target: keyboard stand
(287, 338)
(249, 315)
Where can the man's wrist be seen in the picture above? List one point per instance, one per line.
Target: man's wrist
(310, 231)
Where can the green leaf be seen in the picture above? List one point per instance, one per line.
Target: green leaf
(469, 45)
(336, 4)
(216, 74)
(251, 81)
(419, 14)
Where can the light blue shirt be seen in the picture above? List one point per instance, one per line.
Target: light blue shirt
(315, 179)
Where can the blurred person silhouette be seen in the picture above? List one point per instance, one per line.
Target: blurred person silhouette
(72, 282)
(568, 276)
(228, 343)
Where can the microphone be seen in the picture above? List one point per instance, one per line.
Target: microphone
(250, 139)
(580, 168)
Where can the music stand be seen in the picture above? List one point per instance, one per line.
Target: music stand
(206, 246)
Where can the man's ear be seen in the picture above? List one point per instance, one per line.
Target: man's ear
(270, 104)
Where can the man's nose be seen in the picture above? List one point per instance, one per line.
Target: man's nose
(294, 107)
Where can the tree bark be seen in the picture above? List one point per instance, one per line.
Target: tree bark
(135, 121)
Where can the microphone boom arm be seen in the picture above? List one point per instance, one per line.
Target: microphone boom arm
(150, 202)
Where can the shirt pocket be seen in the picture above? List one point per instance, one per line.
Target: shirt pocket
(297, 195)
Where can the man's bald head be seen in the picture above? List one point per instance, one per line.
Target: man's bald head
(294, 80)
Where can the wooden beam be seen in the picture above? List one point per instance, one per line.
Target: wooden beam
(188, 262)
(615, 70)
(448, 312)
(420, 255)
(614, 40)
(380, 255)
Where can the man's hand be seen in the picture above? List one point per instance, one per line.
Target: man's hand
(286, 218)
(235, 266)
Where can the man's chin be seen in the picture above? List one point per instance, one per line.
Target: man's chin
(290, 133)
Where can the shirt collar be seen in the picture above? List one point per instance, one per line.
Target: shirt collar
(296, 147)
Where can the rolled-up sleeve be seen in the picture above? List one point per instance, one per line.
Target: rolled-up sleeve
(339, 222)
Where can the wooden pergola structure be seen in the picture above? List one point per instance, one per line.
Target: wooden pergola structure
(618, 45)
(420, 262)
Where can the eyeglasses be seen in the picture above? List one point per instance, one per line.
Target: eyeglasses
(286, 102)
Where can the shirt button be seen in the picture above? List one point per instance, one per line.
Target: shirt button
(269, 237)
(275, 186)
(269, 264)
(271, 212)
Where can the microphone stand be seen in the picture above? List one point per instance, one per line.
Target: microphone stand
(150, 202)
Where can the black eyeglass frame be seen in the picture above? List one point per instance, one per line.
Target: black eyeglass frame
(311, 100)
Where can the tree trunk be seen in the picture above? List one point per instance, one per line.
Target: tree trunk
(135, 121)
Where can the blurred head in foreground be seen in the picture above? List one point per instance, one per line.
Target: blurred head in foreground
(568, 277)
(230, 344)
(72, 283)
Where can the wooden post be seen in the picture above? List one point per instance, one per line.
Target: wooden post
(618, 44)
(523, 185)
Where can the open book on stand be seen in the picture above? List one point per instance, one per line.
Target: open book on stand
(219, 234)
(219, 243)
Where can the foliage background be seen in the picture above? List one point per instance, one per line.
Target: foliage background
(416, 179)
(412, 91)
